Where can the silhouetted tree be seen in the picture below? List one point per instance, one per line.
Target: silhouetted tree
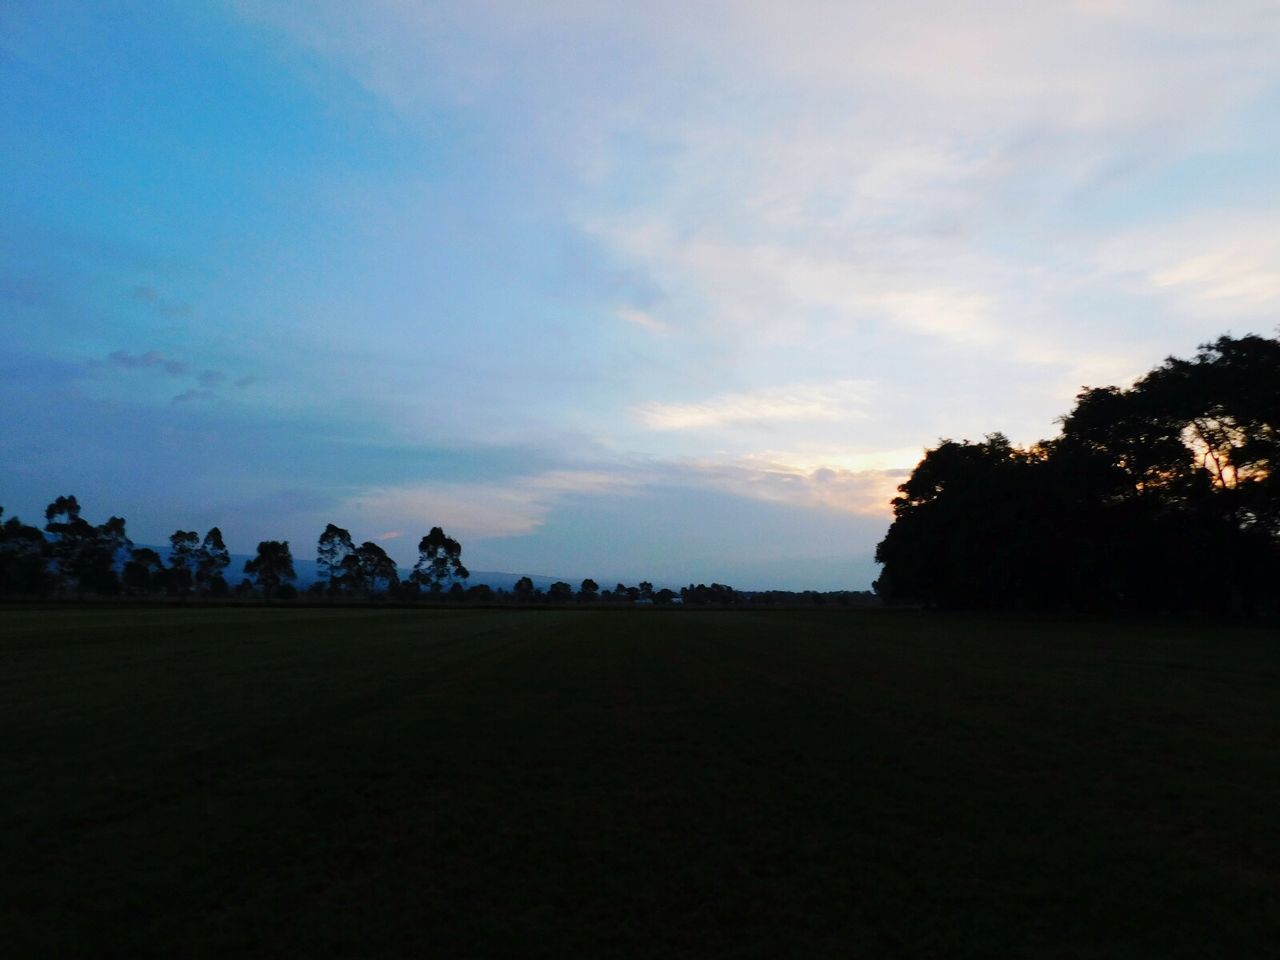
(332, 551)
(702, 595)
(271, 567)
(589, 592)
(560, 592)
(370, 565)
(523, 590)
(85, 555)
(439, 561)
(144, 573)
(212, 558)
(1160, 496)
(23, 562)
(184, 547)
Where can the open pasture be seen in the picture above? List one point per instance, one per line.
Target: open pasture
(304, 782)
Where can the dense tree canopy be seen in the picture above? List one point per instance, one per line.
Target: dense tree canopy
(1162, 496)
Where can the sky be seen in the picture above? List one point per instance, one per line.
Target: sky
(670, 291)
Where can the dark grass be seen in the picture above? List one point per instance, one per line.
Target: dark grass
(284, 783)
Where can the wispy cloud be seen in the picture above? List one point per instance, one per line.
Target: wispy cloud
(484, 510)
(194, 395)
(1223, 263)
(829, 488)
(643, 319)
(207, 381)
(152, 358)
(161, 305)
(841, 400)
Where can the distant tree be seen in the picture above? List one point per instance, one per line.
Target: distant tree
(369, 566)
(560, 592)
(332, 551)
(23, 562)
(664, 596)
(701, 595)
(184, 548)
(456, 593)
(589, 592)
(524, 590)
(271, 567)
(71, 538)
(481, 592)
(439, 561)
(85, 555)
(646, 590)
(144, 573)
(212, 558)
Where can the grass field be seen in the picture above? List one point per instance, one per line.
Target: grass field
(286, 783)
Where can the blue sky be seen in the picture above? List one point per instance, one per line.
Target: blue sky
(669, 291)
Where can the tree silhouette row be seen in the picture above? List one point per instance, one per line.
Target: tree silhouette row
(73, 557)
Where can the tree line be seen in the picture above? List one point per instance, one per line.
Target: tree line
(1164, 496)
(73, 557)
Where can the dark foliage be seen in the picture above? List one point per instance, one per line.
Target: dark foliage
(272, 566)
(439, 562)
(1161, 497)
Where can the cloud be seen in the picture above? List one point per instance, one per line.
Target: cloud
(644, 319)
(841, 400)
(207, 381)
(163, 307)
(786, 174)
(829, 488)
(189, 396)
(475, 511)
(152, 358)
(1225, 264)
(480, 511)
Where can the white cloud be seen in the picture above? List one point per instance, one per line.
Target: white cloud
(474, 511)
(480, 511)
(914, 192)
(1224, 264)
(842, 400)
(862, 492)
